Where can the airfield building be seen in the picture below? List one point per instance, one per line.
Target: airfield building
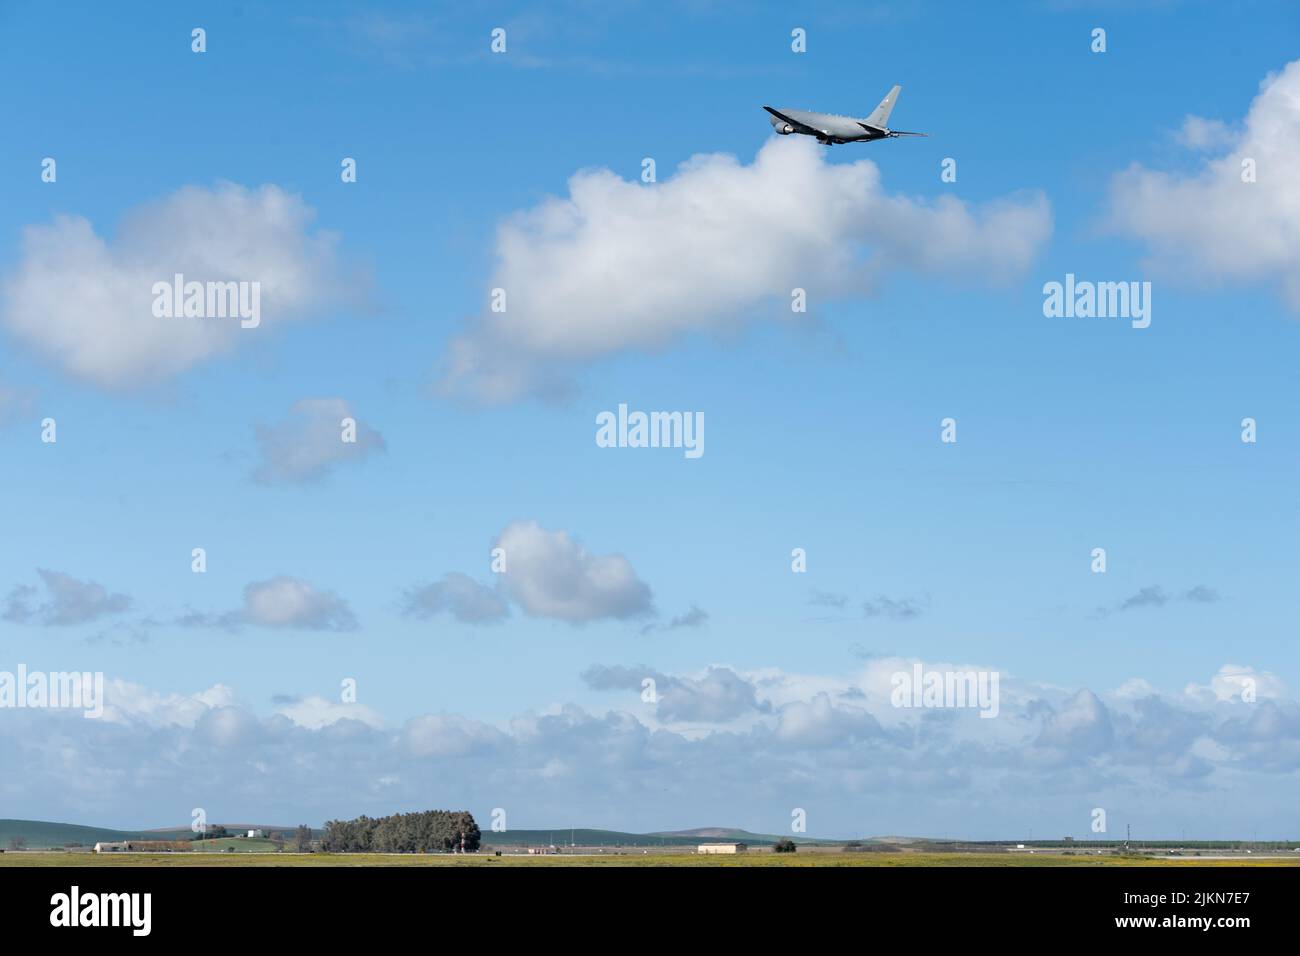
(721, 848)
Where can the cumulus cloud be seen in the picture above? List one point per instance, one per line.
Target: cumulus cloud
(738, 749)
(311, 442)
(1235, 682)
(281, 602)
(718, 696)
(821, 722)
(63, 601)
(134, 704)
(1197, 132)
(85, 302)
(620, 266)
(448, 735)
(551, 574)
(1210, 224)
(287, 602)
(316, 712)
(468, 601)
(1081, 724)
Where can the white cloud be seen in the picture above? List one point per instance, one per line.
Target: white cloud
(1233, 681)
(68, 601)
(468, 601)
(549, 574)
(227, 727)
(316, 712)
(288, 602)
(1081, 723)
(619, 265)
(820, 722)
(1051, 754)
(308, 444)
(85, 302)
(1209, 224)
(1197, 132)
(129, 703)
(719, 696)
(281, 602)
(447, 735)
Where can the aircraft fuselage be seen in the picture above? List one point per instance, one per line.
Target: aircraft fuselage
(827, 127)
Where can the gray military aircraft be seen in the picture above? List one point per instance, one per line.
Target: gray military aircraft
(829, 128)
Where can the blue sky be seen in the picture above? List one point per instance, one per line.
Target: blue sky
(822, 429)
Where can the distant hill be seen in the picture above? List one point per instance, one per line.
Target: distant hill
(731, 834)
(43, 835)
(582, 837)
(235, 828)
(40, 834)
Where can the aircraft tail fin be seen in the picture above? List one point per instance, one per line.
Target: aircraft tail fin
(879, 117)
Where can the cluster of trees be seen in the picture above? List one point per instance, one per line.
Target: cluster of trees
(217, 832)
(433, 831)
(784, 846)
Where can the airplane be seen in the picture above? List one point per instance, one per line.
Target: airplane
(829, 128)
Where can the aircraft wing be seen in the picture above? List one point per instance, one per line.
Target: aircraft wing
(802, 127)
(887, 132)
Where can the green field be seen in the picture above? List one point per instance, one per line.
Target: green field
(235, 845)
(618, 838)
(910, 859)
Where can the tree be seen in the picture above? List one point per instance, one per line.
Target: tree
(784, 846)
(432, 831)
(302, 838)
(17, 842)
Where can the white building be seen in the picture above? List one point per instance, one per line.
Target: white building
(256, 834)
(110, 847)
(721, 848)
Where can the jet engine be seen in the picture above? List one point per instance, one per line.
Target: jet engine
(781, 126)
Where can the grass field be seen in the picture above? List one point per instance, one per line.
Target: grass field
(236, 845)
(918, 859)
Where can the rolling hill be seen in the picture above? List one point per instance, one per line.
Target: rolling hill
(39, 834)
